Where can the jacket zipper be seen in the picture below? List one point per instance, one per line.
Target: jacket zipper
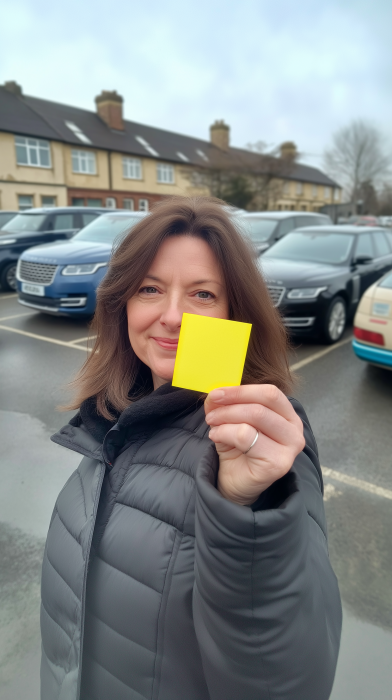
(83, 601)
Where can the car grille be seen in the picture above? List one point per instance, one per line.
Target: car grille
(276, 294)
(41, 273)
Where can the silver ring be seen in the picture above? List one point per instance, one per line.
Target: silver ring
(253, 443)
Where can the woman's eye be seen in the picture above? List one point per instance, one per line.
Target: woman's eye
(149, 290)
(204, 295)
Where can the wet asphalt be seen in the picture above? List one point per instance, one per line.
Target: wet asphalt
(349, 404)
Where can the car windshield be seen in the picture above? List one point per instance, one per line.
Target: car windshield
(25, 222)
(311, 246)
(387, 282)
(106, 228)
(258, 229)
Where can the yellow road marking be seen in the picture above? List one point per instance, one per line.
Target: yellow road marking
(318, 355)
(357, 483)
(8, 318)
(42, 337)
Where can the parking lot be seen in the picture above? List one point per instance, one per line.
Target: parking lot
(349, 405)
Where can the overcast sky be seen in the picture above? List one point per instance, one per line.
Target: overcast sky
(273, 71)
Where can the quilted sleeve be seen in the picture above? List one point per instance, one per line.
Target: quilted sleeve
(266, 603)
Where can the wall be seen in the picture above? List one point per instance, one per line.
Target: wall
(307, 200)
(98, 181)
(148, 183)
(23, 179)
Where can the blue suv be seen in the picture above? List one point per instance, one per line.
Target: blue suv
(62, 278)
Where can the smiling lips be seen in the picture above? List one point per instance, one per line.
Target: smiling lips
(167, 343)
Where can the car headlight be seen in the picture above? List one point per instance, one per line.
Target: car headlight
(8, 241)
(306, 292)
(87, 269)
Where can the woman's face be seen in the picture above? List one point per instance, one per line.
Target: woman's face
(184, 277)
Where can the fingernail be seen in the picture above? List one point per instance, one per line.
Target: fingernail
(217, 394)
(209, 416)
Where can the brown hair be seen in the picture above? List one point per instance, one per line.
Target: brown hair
(113, 372)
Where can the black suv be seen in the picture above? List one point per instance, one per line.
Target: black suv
(316, 276)
(35, 226)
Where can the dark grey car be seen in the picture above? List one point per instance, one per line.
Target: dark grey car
(264, 228)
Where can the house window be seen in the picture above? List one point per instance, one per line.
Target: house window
(314, 191)
(83, 162)
(78, 202)
(143, 204)
(336, 194)
(33, 152)
(132, 168)
(327, 192)
(299, 188)
(165, 173)
(129, 203)
(94, 202)
(48, 201)
(25, 201)
(286, 188)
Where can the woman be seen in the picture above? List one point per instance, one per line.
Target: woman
(187, 556)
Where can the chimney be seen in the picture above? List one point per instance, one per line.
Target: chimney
(12, 86)
(220, 134)
(288, 150)
(109, 108)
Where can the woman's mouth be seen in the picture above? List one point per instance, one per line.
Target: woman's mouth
(167, 343)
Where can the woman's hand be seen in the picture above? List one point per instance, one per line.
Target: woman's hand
(235, 415)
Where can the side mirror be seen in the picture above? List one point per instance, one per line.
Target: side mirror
(362, 260)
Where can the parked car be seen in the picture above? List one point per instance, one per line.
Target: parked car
(62, 278)
(6, 216)
(367, 220)
(316, 276)
(264, 228)
(373, 324)
(34, 226)
(385, 220)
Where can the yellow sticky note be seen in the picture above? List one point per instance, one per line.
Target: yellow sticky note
(211, 353)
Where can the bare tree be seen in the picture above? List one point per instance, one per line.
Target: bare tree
(385, 200)
(357, 156)
(251, 178)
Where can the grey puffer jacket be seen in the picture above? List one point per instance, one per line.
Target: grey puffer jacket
(167, 591)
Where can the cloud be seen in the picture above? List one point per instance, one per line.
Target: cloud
(273, 71)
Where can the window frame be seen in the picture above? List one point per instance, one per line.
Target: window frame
(163, 168)
(79, 154)
(327, 192)
(128, 164)
(25, 208)
(48, 196)
(37, 146)
(131, 202)
(299, 188)
(147, 208)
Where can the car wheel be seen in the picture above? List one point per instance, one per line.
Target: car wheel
(8, 277)
(335, 320)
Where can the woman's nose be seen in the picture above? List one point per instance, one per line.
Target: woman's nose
(171, 316)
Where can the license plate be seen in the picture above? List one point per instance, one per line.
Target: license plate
(380, 309)
(37, 289)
